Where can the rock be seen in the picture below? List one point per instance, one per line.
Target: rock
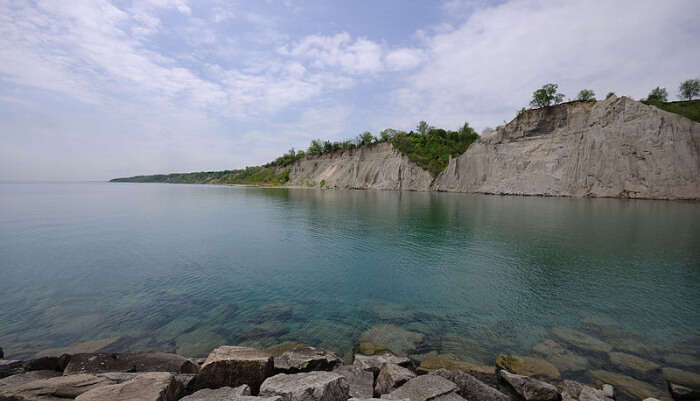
(306, 359)
(580, 340)
(9, 367)
(399, 341)
(278, 350)
(361, 381)
(233, 366)
(151, 386)
(609, 391)
(572, 390)
(79, 348)
(470, 387)
(198, 342)
(47, 363)
(436, 362)
(681, 360)
(679, 392)
(27, 377)
(220, 394)
(310, 386)
(629, 385)
(128, 362)
(682, 377)
(563, 359)
(631, 363)
(392, 377)
(610, 148)
(371, 349)
(53, 389)
(374, 363)
(632, 345)
(465, 349)
(527, 366)
(424, 388)
(530, 389)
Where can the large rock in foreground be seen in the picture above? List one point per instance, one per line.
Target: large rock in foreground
(127, 362)
(311, 386)
(361, 381)
(470, 387)
(234, 366)
(530, 389)
(152, 386)
(53, 389)
(374, 363)
(392, 377)
(306, 359)
(424, 388)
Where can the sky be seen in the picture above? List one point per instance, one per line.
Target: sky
(97, 89)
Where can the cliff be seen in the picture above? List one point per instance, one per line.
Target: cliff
(613, 148)
(377, 166)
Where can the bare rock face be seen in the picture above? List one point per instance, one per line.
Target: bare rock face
(151, 386)
(617, 147)
(530, 389)
(311, 386)
(128, 362)
(306, 359)
(53, 389)
(470, 387)
(361, 382)
(234, 366)
(374, 363)
(392, 377)
(378, 166)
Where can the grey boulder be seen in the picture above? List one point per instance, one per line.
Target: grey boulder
(374, 363)
(53, 389)
(392, 377)
(150, 386)
(679, 392)
(530, 389)
(234, 366)
(361, 382)
(311, 386)
(306, 359)
(424, 388)
(9, 367)
(240, 393)
(470, 387)
(129, 362)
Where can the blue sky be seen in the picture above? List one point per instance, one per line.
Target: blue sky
(98, 89)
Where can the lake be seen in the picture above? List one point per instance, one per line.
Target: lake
(184, 268)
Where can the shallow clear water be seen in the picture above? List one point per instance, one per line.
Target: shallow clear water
(187, 267)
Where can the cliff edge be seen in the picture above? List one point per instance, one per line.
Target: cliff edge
(617, 147)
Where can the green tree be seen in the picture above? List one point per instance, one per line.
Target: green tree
(316, 147)
(658, 95)
(423, 128)
(387, 134)
(366, 138)
(689, 89)
(610, 94)
(546, 96)
(586, 95)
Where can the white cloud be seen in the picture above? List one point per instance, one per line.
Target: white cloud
(404, 59)
(357, 56)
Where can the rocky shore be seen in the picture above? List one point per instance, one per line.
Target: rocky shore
(298, 372)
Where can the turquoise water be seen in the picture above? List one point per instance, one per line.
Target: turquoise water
(187, 267)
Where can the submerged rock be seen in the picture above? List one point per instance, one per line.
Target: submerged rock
(631, 363)
(580, 340)
(632, 345)
(465, 349)
(80, 348)
(279, 349)
(682, 377)
(629, 385)
(310, 386)
(374, 363)
(361, 382)
(198, 342)
(234, 366)
(470, 387)
(684, 360)
(679, 392)
(436, 362)
(424, 388)
(392, 377)
(529, 388)
(152, 386)
(371, 349)
(127, 362)
(527, 366)
(55, 388)
(397, 340)
(306, 359)
(562, 358)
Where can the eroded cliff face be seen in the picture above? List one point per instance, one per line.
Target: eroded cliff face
(613, 148)
(378, 166)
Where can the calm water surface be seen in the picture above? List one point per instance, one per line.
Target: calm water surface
(185, 268)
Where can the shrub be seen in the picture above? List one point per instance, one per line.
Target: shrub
(658, 95)
(586, 95)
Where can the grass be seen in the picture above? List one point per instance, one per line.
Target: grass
(686, 108)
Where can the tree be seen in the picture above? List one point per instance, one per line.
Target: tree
(423, 128)
(586, 95)
(546, 96)
(658, 95)
(366, 138)
(610, 94)
(689, 89)
(387, 134)
(316, 148)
